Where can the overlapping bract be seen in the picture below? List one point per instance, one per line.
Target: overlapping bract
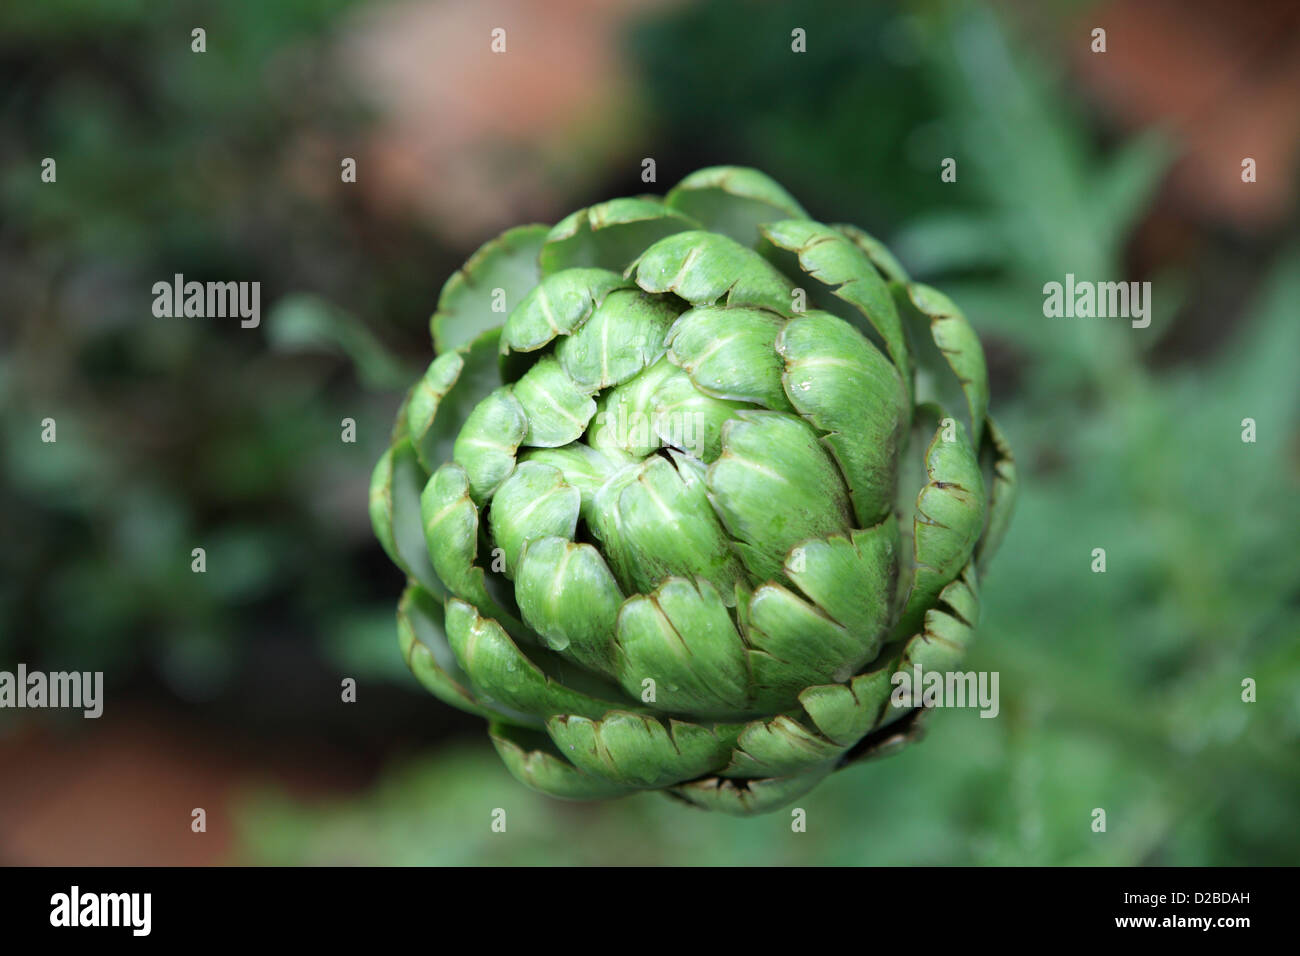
(674, 517)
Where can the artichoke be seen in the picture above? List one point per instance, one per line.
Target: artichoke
(689, 480)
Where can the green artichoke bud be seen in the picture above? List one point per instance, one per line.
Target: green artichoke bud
(689, 480)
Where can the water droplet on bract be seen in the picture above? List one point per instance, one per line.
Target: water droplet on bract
(805, 385)
(557, 643)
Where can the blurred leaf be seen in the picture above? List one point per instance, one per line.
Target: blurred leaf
(1125, 186)
(948, 243)
(304, 322)
(363, 644)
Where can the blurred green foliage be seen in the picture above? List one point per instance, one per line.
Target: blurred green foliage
(177, 434)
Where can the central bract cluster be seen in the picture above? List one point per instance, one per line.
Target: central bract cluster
(689, 481)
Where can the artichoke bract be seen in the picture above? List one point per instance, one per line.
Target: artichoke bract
(689, 480)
